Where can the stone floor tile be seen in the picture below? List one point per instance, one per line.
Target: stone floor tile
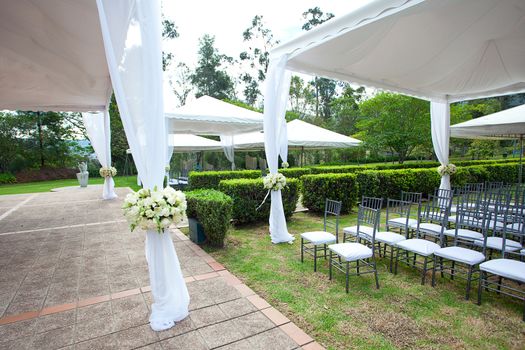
(102, 310)
(25, 343)
(54, 321)
(297, 334)
(221, 333)
(191, 340)
(54, 339)
(272, 339)
(253, 323)
(135, 337)
(93, 328)
(180, 327)
(206, 316)
(108, 342)
(237, 307)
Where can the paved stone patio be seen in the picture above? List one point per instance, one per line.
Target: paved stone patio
(73, 276)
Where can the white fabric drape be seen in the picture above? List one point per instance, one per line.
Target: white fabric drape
(275, 98)
(133, 53)
(440, 117)
(229, 148)
(99, 135)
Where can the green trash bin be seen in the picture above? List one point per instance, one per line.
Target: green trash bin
(196, 231)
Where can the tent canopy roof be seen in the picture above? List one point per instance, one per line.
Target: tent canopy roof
(442, 50)
(300, 134)
(209, 116)
(192, 143)
(507, 124)
(52, 56)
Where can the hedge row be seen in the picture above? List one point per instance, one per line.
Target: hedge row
(7, 178)
(247, 195)
(213, 209)
(211, 179)
(349, 187)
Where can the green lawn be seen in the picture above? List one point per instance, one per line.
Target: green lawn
(401, 314)
(46, 186)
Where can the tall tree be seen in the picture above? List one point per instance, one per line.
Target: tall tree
(210, 78)
(396, 122)
(301, 96)
(260, 40)
(346, 110)
(314, 16)
(181, 84)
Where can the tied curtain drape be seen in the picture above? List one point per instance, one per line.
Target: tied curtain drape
(276, 140)
(228, 147)
(99, 134)
(133, 53)
(440, 125)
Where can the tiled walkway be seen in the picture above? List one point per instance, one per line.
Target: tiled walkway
(73, 276)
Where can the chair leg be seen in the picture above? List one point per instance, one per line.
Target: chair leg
(434, 271)
(397, 261)
(424, 274)
(391, 257)
(357, 266)
(500, 279)
(347, 274)
(324, 251)
(441, 263)
(330, 264)
(452, 270)
(480, 286)
(469, 281)
(315, 258)
(302, 249)
(384, 249)
(375, 273)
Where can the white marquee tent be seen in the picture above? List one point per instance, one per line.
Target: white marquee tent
(301, 135)
(192, 143)
(60, 55)
(439, 50)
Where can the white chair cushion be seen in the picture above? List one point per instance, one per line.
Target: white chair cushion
(389, 238)
(453, 209)
(351, 251)
(452, 218)
(498, 224)
(419, 246)
(352, 230)
(319, 237)
(463, 255)
(400, 222)
(464, 233)
(497, 243)
(516, 226)
(522, 252)
(505, 268)
(432, 229)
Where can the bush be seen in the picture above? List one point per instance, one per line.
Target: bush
(341, 187)
(247, 195)
(213, 209)
(45, 174)
(7, 178)
(211, 179)
(295, 173)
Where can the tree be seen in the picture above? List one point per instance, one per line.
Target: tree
(260, 41)
(396, 122)
(345, 110)
(182, 83)
(119, 142)
(314, 16)
(169, 32)
(209, 77)
(301, 96)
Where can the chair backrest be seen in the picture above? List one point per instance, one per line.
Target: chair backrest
(437, 209)
(396, 208)
(372, 202)
(472, 214)
(368, 217)
(332, 212)
(444, 198)
(412, 197)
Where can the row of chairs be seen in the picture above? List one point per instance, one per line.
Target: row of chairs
(489, 222)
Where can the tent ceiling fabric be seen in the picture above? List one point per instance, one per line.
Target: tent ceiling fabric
(507, 124)
(192, 143)
(300, 134)
(209, 116)
(444, 50)
(52, 56)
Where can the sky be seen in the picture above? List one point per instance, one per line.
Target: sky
(227, 20)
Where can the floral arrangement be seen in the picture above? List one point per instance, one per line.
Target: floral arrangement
(274, 182)
(154, 209)
(285, 165)
(107, 171)
(449, 169)
(82, 167)
(167, 168)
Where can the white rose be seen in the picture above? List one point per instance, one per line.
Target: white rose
(147, 202)
(165, 222)
(156, 196)
(150, 213)
(165, 211)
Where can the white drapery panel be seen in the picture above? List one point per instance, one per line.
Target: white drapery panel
(228, 147)
(169, 153)
(440, 118)
(275, 98)
(99, 134)
(133, 53)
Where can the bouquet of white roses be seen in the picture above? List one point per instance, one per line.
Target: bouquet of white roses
(285, 165)
(449, 169)
(274, 182)
(107, 171)
(154, 209)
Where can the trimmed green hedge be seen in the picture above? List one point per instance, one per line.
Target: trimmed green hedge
(7, 178)
(213, 209)
(295, 173)
(247, 195)
(211, 179)
(341, 187)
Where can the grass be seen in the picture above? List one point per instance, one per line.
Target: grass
(401, 314)
(46, 186)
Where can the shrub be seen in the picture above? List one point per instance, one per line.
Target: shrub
(211, 179)
(295, 173)
(247, 195)
(7, 178)
(341, 187)
(213, 209)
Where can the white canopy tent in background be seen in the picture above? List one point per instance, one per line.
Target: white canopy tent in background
(192, 143)
(59, 55)
(507, 124)
(439, 50)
